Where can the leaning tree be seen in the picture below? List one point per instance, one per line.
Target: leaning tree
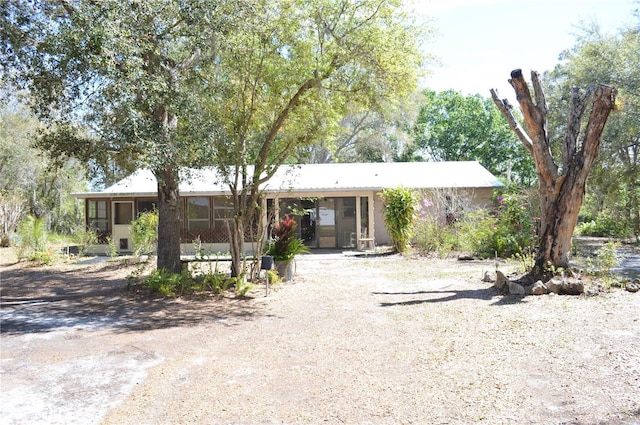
(562, 180)
(287, 76)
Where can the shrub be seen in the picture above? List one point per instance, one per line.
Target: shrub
(111, 249)
(243, 287)
(399, 213)
(431, 236)
(606, 259)
(216, 282)
(33, 236)
(145, 233)
(84, 238)
(170, 284)
(507, 231)
(603, 226)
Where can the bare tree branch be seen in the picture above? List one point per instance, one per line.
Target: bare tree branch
(536, 121)
(507, 111)
(541, 102)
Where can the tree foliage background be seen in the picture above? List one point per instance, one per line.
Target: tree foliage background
(31, 182)
(455, 127)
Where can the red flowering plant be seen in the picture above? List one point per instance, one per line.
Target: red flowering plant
(286, 243)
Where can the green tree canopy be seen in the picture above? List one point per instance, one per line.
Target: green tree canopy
(455, 127)
(239, 85)
(368, 135)
(289, 74)
(122, 83)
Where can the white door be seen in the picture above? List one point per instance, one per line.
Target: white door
(121, 231)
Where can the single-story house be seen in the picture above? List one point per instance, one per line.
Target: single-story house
(337, 205)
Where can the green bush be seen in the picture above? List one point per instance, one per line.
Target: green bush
(606, 259)
(145, 233)
(111, 249)
(33, 239)
(216, 282)
(85, 238)
(506, 232)
(603, 225)
(243, 287)
(170, 284)
(399, 213)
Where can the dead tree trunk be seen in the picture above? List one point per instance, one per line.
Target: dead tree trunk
(561, 187)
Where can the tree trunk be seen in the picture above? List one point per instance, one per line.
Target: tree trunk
(236, 247)
(168, 220)
(561, 188)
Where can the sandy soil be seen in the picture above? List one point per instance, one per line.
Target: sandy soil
(385, 340)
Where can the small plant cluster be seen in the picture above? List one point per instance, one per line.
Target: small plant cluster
(286, 243)
(431, 232)
(507, 231)
(33, 241)
(85, 238)
(603, 226)
(602, 265)
(170, 284)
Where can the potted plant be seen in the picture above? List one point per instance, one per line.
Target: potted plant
(285, 246)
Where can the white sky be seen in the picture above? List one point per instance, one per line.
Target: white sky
(479, 42)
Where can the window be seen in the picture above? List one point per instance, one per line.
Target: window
(97, 215)
(348, 207)
(222, 212)
(198, 213)
(147, 205)
(123, 212)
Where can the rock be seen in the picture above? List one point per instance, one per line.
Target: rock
(515, 288)
(487, 277)
(539, 288)
(553, 286)
(572, 287)
(632, 287)
(501, 280)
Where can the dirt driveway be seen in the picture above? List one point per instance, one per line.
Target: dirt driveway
(386, 340)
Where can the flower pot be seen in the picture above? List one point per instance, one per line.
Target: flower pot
(286, 269)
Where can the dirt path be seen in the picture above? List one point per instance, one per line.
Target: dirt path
(354, 340)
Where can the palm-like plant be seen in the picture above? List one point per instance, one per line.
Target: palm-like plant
(286, 244)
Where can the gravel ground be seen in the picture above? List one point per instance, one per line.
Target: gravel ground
(378, 340)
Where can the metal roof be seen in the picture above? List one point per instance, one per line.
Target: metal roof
(321, 178)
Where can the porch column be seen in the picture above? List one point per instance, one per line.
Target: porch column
(358, 221)
(372, 223)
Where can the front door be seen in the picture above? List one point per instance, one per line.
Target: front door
(121, 231)
(327, 223)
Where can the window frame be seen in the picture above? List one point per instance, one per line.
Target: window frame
(201, 220)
